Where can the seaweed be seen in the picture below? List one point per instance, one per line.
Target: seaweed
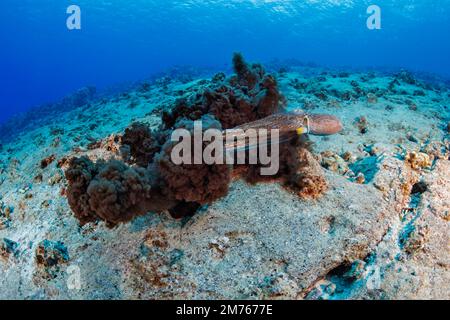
(249, 95)
(47, 161)
(141, 144)
(147, 180)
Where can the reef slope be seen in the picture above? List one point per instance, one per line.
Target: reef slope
(381, 231)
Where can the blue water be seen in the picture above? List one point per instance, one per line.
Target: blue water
(124, 40)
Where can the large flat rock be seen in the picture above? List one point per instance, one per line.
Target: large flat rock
(264, 242)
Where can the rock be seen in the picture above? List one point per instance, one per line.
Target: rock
(94, 145)
(406, 77)
(394, 174)
(436, 150)
(362, 124)
(46, 203)
(262, 237)
(412, 106)
(356, 271)
(24, 189)
(413, 238)
(111, 144)
(4, 223)
(321, 95)
(38, 178)
(418, 160)
(333, 104)
(278, 286)
(310, 180)
(8, 248)
(56, 142)
(219, 77)
(334, 162)
(412, 138)
(422, 237)
(62, 162)
(365, 169)
(374, 150)
(323, 290)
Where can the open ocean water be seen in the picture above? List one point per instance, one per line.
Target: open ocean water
(116, 41)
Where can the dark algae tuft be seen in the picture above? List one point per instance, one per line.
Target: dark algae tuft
(147, 180)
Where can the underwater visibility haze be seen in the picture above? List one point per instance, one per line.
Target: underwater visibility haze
(225, 149)
(41, 61)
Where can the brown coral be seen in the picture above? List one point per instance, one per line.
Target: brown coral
(112, 191)
(199, 183)
(418, 160)
(116, 192)
(308, 180)
(47, 161)
(79, 175)
(141, 144)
